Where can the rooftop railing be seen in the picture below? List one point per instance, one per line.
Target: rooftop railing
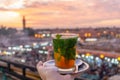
(20, 71)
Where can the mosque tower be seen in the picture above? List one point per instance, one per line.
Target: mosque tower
(24, 23)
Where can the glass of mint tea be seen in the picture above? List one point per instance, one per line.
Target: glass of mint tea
(64, 45)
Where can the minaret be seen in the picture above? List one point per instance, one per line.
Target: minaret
(24, 23)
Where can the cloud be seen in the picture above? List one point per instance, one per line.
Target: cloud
(82, 12)
(65, 12)
(12, 4)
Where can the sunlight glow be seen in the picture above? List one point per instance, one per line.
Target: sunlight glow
(9, 14)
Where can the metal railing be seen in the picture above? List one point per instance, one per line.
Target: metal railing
(20, 71)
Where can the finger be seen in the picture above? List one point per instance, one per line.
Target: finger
(39, 64)
(41, 70)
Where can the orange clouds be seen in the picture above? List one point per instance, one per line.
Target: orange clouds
(58, 13)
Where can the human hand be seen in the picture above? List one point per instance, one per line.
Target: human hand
(47, 73)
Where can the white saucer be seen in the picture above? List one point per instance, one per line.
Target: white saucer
(80, 65)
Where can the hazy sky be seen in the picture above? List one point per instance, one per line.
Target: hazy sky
(60, 13)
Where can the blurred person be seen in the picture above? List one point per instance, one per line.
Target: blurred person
(50, 74)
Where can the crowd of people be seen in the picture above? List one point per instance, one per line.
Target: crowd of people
(104, 45)
(95, 71)
(103, 72)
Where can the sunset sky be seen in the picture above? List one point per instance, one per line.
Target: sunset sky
(60, 13)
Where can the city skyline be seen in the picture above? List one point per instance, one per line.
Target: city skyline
(60, 13)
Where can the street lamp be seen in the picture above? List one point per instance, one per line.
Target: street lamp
(118, 58)
(102, 56)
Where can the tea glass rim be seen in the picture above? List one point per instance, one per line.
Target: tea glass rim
(71, 35)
